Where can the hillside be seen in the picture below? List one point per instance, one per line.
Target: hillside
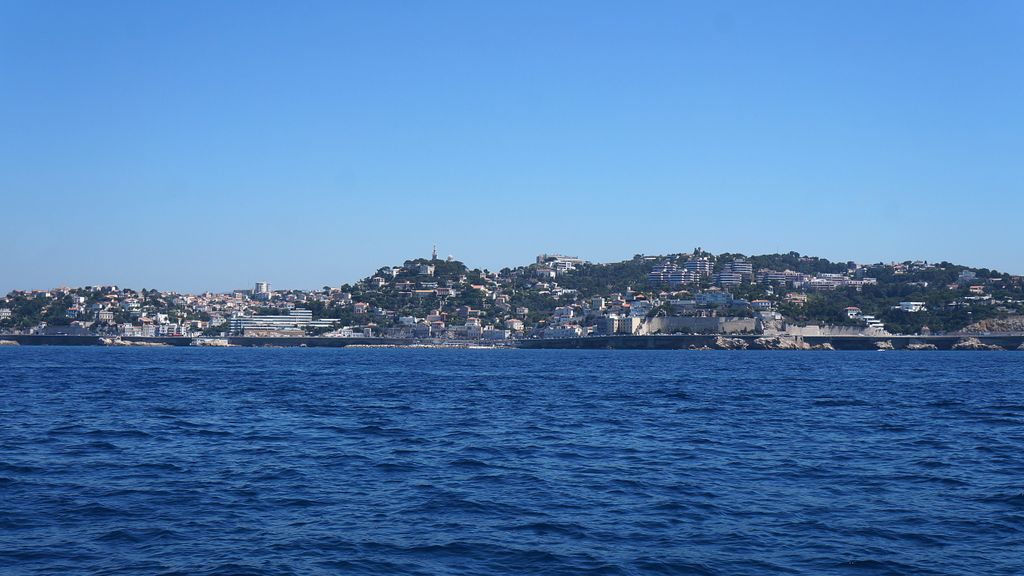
(568, 295)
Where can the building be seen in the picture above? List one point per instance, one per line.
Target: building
(628, 325)
(545, 273)
(571, 331)
(641, 308)
(913, 306)
(607, 324)
(297, 320)
(741, 267)
(700, 266)
(560, 263)
(873, 323)
(735, 272)
(682, 277)
(727, 278)
(496, 334)
(169, 330)
(262, 291)
(771, 277)
(659, 274)
(713, 298)
(796, 298)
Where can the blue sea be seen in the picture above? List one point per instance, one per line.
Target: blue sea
(424, 461)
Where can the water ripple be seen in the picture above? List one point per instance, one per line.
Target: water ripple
(312, 461)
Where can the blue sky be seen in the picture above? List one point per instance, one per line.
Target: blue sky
(205, 145)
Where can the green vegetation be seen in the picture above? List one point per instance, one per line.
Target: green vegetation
(603, 279)
(453, 290)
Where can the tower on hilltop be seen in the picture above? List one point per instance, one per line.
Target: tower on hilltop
(433, 255)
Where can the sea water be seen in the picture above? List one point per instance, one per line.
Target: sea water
(420, 461)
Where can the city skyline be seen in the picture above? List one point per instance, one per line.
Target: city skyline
(555, 297)
(199, 146)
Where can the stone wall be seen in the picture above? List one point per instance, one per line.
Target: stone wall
(695, 325)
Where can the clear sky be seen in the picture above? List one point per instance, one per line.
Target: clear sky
(206, 145)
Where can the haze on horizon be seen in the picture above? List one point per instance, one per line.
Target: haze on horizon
(198, 146)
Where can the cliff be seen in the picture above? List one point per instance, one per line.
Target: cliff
(1008, 324)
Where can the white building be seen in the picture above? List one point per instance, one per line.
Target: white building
(297, 319)
(700, 266)
(725, 278)
(571, 331)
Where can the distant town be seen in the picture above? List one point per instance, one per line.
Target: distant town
(557, 297)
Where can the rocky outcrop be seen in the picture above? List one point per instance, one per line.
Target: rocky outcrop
(974, 344)
(1008, 324)
(780, 343)
(8, 343)
(884, 345)
(119, 342)
(1021, 347)
(825, 346)
(723, 343)
(920, 346)
(695, 347)
(215, 342)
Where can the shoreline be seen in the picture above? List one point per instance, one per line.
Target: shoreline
(668, 342)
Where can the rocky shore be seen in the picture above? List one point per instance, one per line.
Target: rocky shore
(1008, 324)
(783, 343)
(975, 344)
(211, 342)
(120, 342)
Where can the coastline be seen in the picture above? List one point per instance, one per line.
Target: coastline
(667, 342)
